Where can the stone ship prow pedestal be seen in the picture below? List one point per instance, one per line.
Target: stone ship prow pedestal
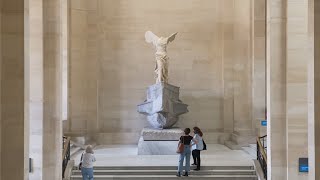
(162, 108)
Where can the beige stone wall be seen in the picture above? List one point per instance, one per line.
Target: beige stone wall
(83, 67)
(228, 68)
(0, 76)
(242, 66)
(259, 67)
(314, 87)
(298, 48)
(52, 89)
(111, 64)
(276, 89)
(34, 85)
(65, 38)
(288, 54)
(12, 90)
(237, 66)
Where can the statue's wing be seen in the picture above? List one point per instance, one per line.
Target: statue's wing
(171, 38)
(151, 38)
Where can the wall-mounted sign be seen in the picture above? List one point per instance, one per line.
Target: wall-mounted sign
(30, 165)
(264, 123)
(303, 165)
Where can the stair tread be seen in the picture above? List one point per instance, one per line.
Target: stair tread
(98, 176)
(74, 149)
(164, 167)
(227, 170)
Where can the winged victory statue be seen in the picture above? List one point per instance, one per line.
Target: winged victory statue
(160, 43)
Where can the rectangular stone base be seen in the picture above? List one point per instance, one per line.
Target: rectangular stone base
(157, 147)
(150, 134)
(159, 141)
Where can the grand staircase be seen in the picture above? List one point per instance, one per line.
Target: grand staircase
(168, 173)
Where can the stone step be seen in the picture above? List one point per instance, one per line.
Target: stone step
(74, 150)
(232, 145)
(170, 177)
(169, 172)
(250, 151)
(253, 146)
(170, 168)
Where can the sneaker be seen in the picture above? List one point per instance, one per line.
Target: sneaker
(194, 164)
(178, 174)
(186, 174)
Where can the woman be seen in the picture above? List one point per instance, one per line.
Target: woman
(87, 164)
(197, 147)
(186, 140)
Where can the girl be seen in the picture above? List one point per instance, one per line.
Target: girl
(87, 164)
(186, 140)
(197, 147)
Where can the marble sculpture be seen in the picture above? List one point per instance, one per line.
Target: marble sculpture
(160, 43)
(162, 105)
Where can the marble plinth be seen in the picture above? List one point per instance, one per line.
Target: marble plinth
(150, 134)
(157, 147)
(159, 141)
(162, 106)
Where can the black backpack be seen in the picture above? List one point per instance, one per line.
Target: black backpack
(204, 145)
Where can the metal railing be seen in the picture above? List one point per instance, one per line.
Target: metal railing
(65, 153)
(261, 154)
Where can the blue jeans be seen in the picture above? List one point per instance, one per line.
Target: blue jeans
(87, 173)
(186, 153)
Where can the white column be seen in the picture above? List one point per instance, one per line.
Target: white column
(259, 66)
(34, 84)
(276, 89)
(298, 54)
(52, 70)
(14, 160)
(0, 76)
(314, 88)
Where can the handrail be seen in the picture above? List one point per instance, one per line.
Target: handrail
(261, 155)
(65, 146)
(65, 153)
(263, 152)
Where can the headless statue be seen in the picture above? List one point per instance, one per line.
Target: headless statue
(161, 67)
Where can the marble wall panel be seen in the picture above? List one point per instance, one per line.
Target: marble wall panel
(259, 65)
(314, 122)
(107, 43)
(0, 75)
(83, 67)
(34, 85)
(52, 88)
(297, 85)
(12, 90)
(276, 89)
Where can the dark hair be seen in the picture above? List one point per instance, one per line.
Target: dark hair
(197, 131)
(187, 131)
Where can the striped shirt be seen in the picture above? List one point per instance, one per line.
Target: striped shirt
(87, 160)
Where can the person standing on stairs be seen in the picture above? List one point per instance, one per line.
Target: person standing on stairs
(197, 147)
(186, 140)
(87, 164)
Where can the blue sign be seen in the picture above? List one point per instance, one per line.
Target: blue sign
(264, 123)
(304, 168)
(303, 165)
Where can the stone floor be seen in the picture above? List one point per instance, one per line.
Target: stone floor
(126, 155)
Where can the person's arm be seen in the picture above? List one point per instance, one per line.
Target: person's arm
(93, 158)
(194, 140)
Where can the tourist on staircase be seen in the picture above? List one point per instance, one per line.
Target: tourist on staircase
(197, 147)
(185, 143)
(87, 160)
